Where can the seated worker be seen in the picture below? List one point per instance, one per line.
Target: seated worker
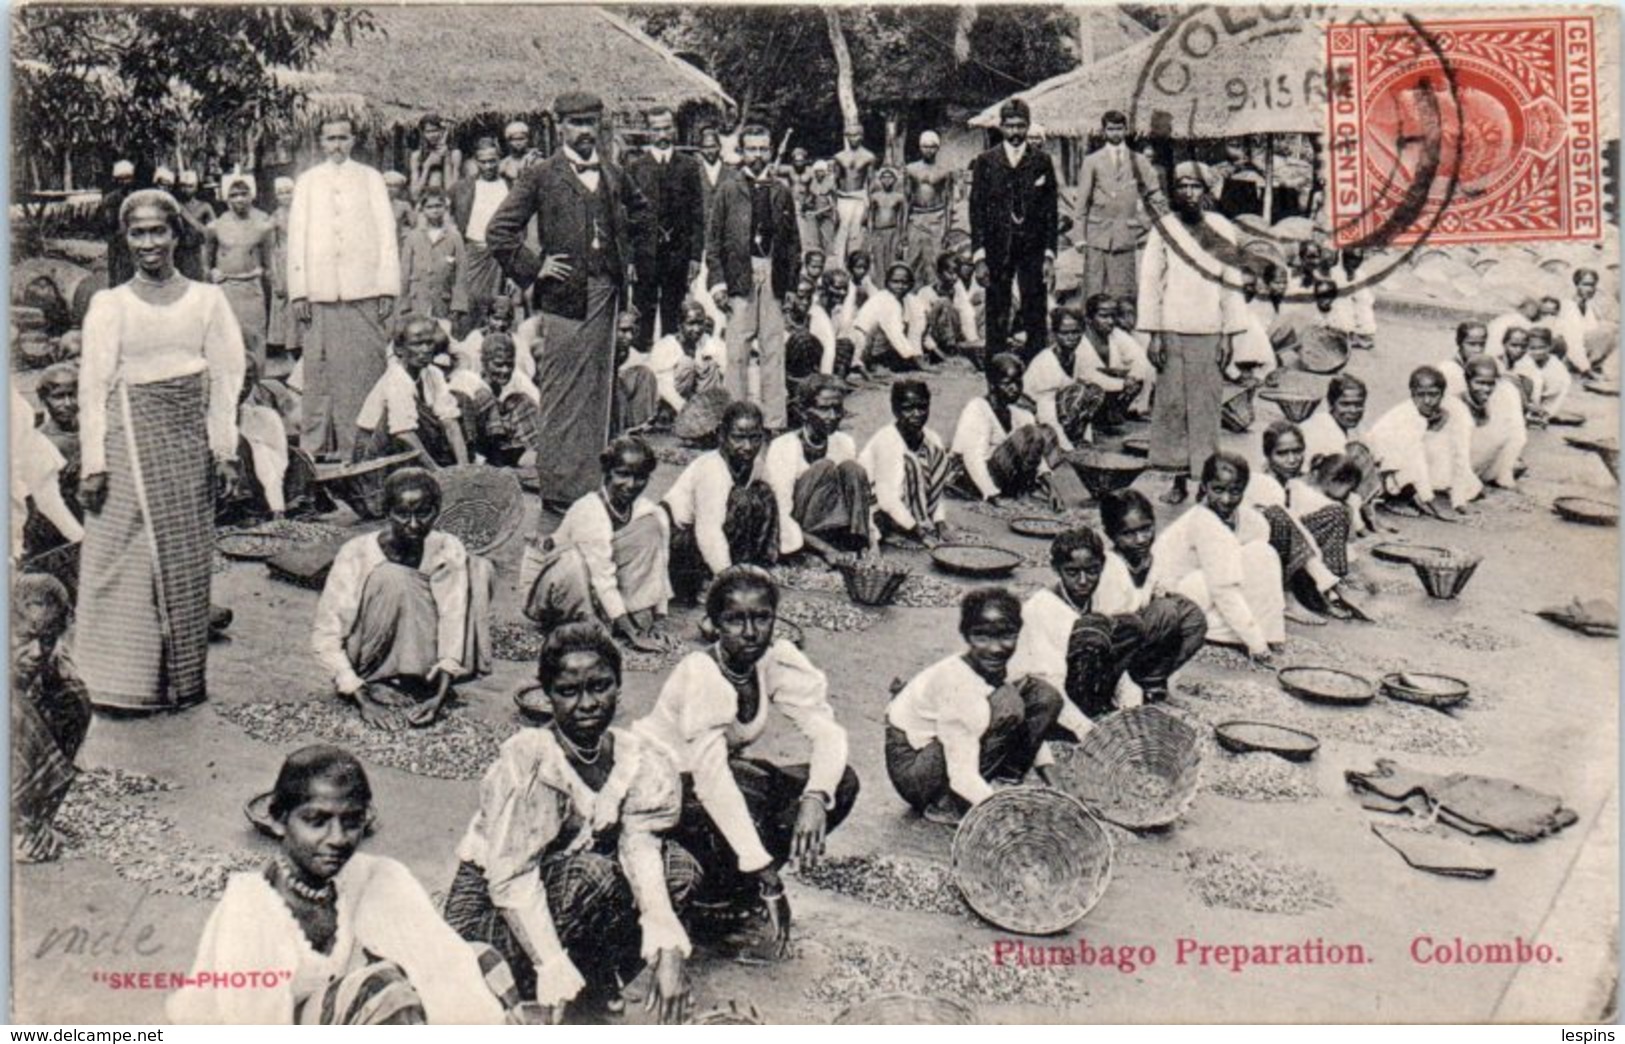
(637, 393)
(50, 714)
(262, 449)
(1271, 491)
(499, 319)
(1581, 327)
(498, 405)
(933, 322)
(1338, 430)
(564, 870)
(1101, 658)
(682, 363)
(970, 301)
(1354, 314)
(1525, 316)
(880, 329)
(1499, 433)
(1252, 356)
(1423, 446)
(1236, 584)
(803, 350)
(1001, 448)
(1297, 321)
(609, 560)
(909, 469)
(1064, 402)
(830, 309)
(965, 724)
(721, 512)
(1472, 340)
(743, 816)
(1527, 370)
(1112, 361)
(823, 493)
(411, 407)
(1548, 354)
(58, 393)
(405, 611)
(1326, 505)
(41, 517)
(357, 939)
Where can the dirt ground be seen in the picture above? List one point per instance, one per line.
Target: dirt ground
(1543, 713)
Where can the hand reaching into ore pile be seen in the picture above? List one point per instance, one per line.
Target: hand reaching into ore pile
(778, 910)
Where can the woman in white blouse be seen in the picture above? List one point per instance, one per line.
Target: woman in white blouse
(610, 557)
(158, 384)
(405, 611)
(744, 817)
(824, 496)
(334, 936)
(1003, 450)
(1062, 400)
(564, 869)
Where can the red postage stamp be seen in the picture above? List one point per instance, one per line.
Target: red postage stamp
(1464, 131)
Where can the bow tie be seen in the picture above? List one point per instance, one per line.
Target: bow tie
(584, 167)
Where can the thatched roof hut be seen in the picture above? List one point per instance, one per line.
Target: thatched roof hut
(475, 60)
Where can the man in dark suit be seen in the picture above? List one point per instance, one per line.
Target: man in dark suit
(1013, 228)
(753, 247)
(668, 251)
(1111, 212)
(474, 201)
(586, 211)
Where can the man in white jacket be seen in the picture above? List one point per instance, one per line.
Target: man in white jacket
(344, 273)
(1191, 304)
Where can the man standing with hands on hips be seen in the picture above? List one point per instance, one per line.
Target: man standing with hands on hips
(668, 253)
(753, 247)
(1014, 228)
(344, 273)
(586, 211)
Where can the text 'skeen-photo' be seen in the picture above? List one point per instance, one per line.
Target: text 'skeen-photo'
(530, 514)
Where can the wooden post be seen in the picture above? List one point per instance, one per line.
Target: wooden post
(1269, 179)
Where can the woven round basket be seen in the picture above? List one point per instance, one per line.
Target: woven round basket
(975, 560)
(731, 1014)
(1439, 691)
(1396, 552)
(1323, 350)
(1247, 737)
(534, 705)
(1326, 685)
(480, 505)
(1104, 471)
(1444, 576)
(700, 415)
(1032, 860)
(1588, 511)
(904, 1009)
(1236, 412)
(1039, 527)
(1139, 768)
(1296, 407)
(360, 485)
(869, 583)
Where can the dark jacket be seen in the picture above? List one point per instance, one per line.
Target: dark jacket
(728, 238)
(1013, 211)
(674, 227)
(551, 193)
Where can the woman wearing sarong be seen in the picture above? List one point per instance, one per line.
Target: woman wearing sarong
(824, 496)
(1062, 400)
(405, 611)
(743, 817)
(1271, 492)
(1424, 448)
(50, 714)
(1325, 506)
(909, 469)
(158, 384)
(359, 939)
(411, 407)
(1499, 431)
(564, 869)
(1190, 304)
(497, 405)
(1236, 584)
(969, 723)
(1100, 654)
(1337, 430)
(721, 512)
(1002, 449)
(609, 560)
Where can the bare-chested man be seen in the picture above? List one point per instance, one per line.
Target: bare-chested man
(238, 253)
(930, 190)
(853, 166)
(798, 174)
(888, 215)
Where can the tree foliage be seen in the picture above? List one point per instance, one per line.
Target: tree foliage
(138, 80)
(777, 60)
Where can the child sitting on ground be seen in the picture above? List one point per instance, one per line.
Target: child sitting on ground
(411, 407)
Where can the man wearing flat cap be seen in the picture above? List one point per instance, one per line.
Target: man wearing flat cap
(929, 186)
(1190, 303)
(1014, 227)
(586, 212)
